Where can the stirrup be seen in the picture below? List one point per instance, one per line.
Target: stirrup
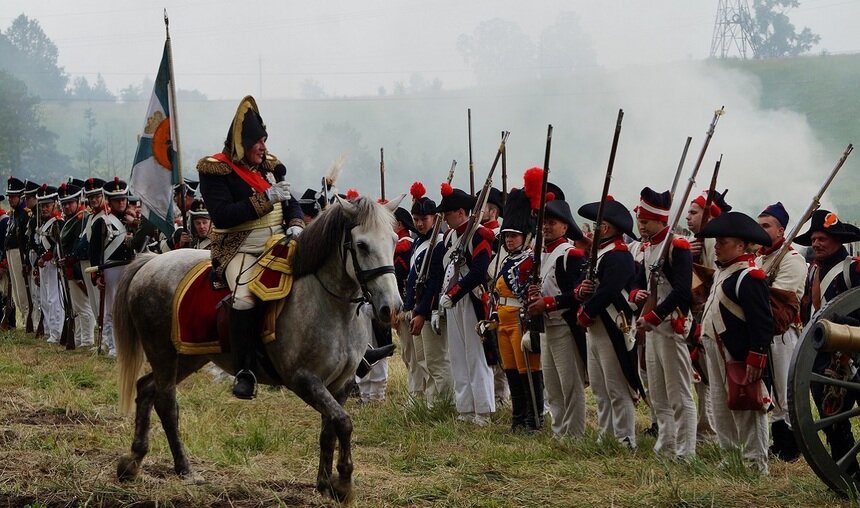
(240, 391)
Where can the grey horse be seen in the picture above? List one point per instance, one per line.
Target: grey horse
(343, 260)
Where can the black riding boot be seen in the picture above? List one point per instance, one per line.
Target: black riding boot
(371, 356)
(519, 393)
(534, 415)
(242, 341)
(784, 446)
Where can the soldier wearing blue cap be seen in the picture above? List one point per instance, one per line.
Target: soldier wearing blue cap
(788, 278)
(29, 248)
(95, 208)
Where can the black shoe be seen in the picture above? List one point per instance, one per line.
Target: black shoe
(784, 445)
(245, 386)
(373, 355)
(652, 431)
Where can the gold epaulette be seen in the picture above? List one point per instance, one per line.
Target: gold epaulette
(212, 166)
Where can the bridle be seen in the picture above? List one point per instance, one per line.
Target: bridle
(363, 276)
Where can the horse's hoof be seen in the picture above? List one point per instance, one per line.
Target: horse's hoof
(127, 468)
(192, 478)
(337, 489)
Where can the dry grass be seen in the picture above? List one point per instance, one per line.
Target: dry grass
(61, 435)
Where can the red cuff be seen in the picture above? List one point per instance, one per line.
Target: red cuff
(632, 297)
(549, 303)
(652, 318)
(577, 295)
(757, 360)
(47, 256)
(584, 319)
(453, 292)
(679, 325)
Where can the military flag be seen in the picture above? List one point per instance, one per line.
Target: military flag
(156, 165)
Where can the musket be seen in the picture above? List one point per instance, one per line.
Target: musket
(471, 162)
(421, 281)
(504, 174)
(458, 257)
(382, 174)
(601, 207)
(653, 278)
(816, 202)
(706, 213)
(67, 336)
(536, 323)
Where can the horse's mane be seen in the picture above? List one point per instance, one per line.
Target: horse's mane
(322, 237)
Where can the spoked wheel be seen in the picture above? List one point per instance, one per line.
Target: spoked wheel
(808, 425)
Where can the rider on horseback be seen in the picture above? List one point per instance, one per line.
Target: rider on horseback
(248, 200)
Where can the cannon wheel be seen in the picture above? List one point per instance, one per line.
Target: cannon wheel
(806, 423)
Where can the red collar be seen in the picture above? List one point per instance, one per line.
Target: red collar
(403, 233)
(764, 251)
(611, 239)
(743, 258)
(491, 224)
(462, 227)
(659, 237)
(549, 247)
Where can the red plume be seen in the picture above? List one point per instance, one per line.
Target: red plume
(417, 190)
(447, 190)
(533, 185)
(609, 197)
(550, 196)
(351, 194)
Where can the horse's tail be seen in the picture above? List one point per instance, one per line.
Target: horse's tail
(129, 352)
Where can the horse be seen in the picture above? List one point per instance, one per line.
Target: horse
(343, 259)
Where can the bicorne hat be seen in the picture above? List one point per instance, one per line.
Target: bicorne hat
(735, 225)
(614, 213)
(454, 199)
(825, 221)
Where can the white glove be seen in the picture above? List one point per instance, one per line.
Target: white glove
(446, 302)
(435, 325)
(526, 344)
(280, 191)
(294, 231)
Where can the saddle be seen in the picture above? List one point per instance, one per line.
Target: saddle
(201, 314)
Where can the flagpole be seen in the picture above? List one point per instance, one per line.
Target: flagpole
(174, 123)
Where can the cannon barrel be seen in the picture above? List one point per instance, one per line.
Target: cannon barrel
(828, 336)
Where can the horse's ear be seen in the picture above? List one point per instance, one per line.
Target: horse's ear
(348, 207)
(393, 204)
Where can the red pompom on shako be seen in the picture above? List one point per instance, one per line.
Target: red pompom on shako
(550, 196)
(417, 190)
(351, 194)
(447, 190)
(533, 185)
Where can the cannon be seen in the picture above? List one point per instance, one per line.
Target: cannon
(825, 363)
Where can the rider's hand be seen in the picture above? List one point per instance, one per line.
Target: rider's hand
(294, 231)
(280, 191)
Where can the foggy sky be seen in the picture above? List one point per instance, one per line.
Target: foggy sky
(354, 47)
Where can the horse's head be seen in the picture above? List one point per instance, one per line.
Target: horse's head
(369, 253)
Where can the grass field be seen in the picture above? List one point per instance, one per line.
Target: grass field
(61, 436)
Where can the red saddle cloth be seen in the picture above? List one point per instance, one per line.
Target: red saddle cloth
(200, 325)
(195, 308)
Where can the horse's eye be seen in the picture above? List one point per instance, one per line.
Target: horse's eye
(361, 246)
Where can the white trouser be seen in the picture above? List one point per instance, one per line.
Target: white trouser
(51, 301)
(473, 378)
(93, 293)
(372, 386)
(85, 321)
(781, 351)
(412, 353)
(564, 380)
(36, 308)
(111, 278)
(616, 414)
(670, 391)
(735, 429)
(436, 358)
(19, 288)
(239, 269)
